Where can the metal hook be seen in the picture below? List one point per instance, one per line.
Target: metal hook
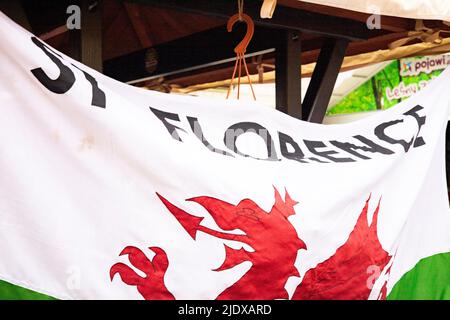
(241, 48)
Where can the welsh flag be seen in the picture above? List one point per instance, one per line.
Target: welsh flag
(108, 191)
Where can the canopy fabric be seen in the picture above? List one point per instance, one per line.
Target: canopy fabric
(415, 9)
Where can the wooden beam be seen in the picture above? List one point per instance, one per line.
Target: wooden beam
(388, 23)
(53, 33)
(287, 75)
(220, 72)
(198, 51)
(284, 18)
(323, 80)
(139, 24)
(91, 34)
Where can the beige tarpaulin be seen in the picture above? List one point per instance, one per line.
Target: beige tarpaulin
(416, 9)
(350, 62)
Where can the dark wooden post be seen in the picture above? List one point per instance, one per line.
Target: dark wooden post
(91, 34)
(287, 74)
(323, 79)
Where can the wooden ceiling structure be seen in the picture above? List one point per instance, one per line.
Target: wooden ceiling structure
(180, 43)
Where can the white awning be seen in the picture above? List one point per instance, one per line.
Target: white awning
(415, 9)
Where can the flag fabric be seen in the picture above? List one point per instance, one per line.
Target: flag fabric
(108, 191)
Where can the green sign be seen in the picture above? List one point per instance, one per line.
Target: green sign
(396, 82)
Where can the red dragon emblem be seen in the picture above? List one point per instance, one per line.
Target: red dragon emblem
(275, 245)
(344, 275)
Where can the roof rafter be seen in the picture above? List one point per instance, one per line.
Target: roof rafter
(284, 17)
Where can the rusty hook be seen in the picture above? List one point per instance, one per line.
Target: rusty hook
(240, 49)
(242, 46)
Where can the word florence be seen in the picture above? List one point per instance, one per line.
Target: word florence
(312, 150)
